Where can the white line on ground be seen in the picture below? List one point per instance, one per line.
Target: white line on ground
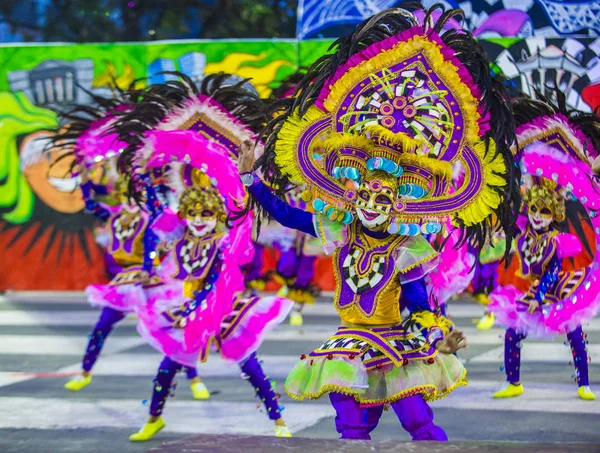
(201, 417)
(60, 345)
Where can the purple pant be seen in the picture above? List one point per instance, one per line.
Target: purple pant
(512, 355)
(301, 268)
(108, 318)
(163, 385)
(355, 422)
(485, 278)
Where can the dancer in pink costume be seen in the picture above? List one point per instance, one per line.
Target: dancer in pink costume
(558, 147)
(208, 249)
(130, 244)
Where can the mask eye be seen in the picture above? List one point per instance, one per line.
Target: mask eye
(533, 209)
(207, 213)
(364, 195)
(191, 213)
(383, 199)
(546, 211)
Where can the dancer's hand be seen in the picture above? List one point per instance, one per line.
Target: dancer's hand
(246, 156)
(452, 342)
(533, 305)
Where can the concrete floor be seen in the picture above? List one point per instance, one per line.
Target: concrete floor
(42, 340)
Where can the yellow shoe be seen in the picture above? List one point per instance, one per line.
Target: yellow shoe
(585, 393)
(283, 291)
(282, 431)
(510, 391)
(148, 431)
(296, 319)
(78, 382)
(200, 391)
(486, 322)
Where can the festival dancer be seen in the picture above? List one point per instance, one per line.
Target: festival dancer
(129, 246)
(391, 108)
(558, 146)
(196, 138)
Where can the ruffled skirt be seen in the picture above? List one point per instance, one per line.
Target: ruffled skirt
(125, 292)
(241, 334)
(376, 366)
(509, 305)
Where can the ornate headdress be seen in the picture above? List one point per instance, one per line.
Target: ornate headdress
(408, 100)
(546, 194)
(86, 132)
(222, 111)
(559, 145)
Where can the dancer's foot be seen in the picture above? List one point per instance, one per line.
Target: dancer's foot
(200, 391)
(486, 322)
(510, 391)
(148, 431)
(585, 393)
(281, 430)
(296, 319)
(78, 382)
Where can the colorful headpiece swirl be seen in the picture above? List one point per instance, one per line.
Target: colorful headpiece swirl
(398, 97)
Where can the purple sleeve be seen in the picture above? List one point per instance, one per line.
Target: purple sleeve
(414, 296)
(92, 205)
(281, 211)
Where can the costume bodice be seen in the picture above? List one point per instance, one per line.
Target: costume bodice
(194, 257)
(127, 237)
(535, 251)
(367, 283)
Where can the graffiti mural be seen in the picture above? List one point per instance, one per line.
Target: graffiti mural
(486, 19)
(43, 227)
(46, 238)
(540, 62)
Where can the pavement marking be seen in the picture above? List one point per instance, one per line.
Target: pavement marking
(199, 417)
(61, 345)
(544, 397)
(9, 378)
(536, 352)
(276, 367)
(54, 318)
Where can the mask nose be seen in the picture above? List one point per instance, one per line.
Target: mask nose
(370, 204)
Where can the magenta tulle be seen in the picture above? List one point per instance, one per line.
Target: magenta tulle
(509, 314)
(543, 160)
(125, 298)
(168, 226)
(196, 150)
(250, 331)
(158, 331)
(568, 244)
(237, 248)
(453, 274)
(96, 144)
